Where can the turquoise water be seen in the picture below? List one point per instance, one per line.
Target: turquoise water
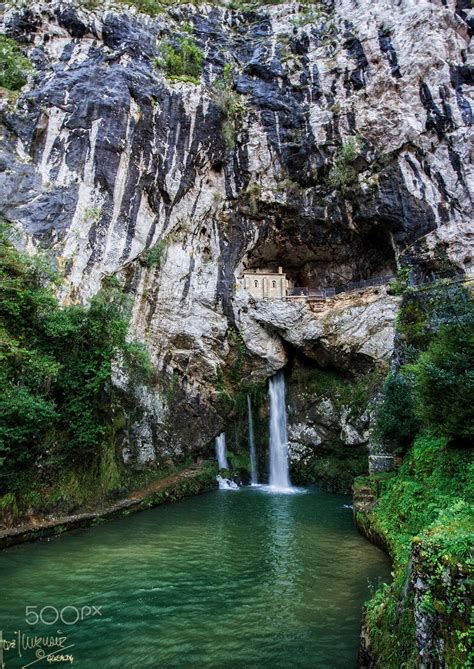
(227, 579)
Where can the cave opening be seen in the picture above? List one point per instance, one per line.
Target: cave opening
(315, 256)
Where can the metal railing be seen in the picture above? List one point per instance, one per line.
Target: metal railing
(453, 277)
(365, 283)
(327, 293)
(297, 292)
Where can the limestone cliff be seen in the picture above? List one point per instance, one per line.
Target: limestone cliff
(336, 144)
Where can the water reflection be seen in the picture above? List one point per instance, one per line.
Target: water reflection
(242, 579)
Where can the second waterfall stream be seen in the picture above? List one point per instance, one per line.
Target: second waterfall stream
(252, 447)
(221, 455)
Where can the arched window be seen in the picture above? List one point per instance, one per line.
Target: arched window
(256, 283)
(274, 284)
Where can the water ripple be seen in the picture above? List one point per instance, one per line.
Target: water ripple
(247, 580)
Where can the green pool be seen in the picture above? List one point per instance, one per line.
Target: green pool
(228, 579)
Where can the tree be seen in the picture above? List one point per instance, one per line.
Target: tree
(444, 376)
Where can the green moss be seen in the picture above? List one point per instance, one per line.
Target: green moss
(352, 393)
(334, 463)
(336, 468)
(424, 513)
(432, 477)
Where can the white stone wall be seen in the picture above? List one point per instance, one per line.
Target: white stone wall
(263, 286)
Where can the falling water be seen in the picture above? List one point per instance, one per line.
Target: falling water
(253, 452)
(221, 451)
(226, 484)
(279, 476)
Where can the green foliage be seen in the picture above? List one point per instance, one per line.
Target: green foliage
(183, 62)
(428, 307)
(331, 461)
(14, 66)
(56, 367)
(432, 478)
(399, 286)
(413, 322)
(150, 7)
(433, 387)
(396, 421)
(335, 465)
(426, 512)
(153, 257)
(229, 103)
(354, 394)
(444, 385)
(343, 174)
(251, 197)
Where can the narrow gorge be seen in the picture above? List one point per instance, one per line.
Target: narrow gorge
(237, 251)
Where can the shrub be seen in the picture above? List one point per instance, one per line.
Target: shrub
(343, 174)
(150, 7)
(229, 103)
(56, 366)
(400, 284)
(14, 65)
(444, 385)
(183, 62)
(396, 421)
(154, 256)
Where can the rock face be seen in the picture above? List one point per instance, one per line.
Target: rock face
(108, 164)
(329, 424)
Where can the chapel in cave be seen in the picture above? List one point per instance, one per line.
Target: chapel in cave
(265, 284)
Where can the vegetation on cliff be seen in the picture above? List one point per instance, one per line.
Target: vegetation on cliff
(14, 65)
(345, 400)
(59, 408)
(229, 103)
(431, 389)
(183, 61)
(424, 512)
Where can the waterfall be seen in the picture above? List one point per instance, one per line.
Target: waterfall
(279, 475)
(253, 452)
(226, 484)
(221, 451)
